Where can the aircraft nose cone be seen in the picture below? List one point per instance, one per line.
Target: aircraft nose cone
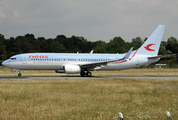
(4, 63)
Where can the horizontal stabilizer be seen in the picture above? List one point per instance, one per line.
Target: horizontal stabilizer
(161, 56)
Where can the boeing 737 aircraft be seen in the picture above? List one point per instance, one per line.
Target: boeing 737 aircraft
(83, 63)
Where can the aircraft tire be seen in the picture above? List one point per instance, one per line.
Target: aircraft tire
(82, 73)
(19, 75)
(88, 74)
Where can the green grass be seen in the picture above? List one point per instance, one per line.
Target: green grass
(87, 99)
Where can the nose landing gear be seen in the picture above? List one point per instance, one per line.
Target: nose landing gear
(19, 75)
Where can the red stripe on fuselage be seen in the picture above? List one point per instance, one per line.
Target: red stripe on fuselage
(126, 60)
(133, 55)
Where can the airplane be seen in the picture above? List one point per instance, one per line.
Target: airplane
(83, 63)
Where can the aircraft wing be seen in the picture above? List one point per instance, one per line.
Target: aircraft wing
(103, 63)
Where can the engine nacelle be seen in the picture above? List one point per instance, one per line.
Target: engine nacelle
(72, 69)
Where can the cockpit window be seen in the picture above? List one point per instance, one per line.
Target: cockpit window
(12, 58)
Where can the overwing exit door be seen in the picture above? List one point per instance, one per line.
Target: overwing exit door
(24, 59)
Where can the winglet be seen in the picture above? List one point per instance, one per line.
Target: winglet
(91, 52)
(128, 54)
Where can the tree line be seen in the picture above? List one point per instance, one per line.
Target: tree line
(62, 44)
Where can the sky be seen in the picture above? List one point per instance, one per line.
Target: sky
(92, 19)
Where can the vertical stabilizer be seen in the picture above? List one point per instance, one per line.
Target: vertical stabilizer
(152, 44)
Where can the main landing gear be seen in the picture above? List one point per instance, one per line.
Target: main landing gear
(87, 74)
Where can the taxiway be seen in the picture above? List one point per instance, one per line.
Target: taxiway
(79, 77)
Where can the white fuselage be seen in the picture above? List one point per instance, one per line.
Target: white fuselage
(56, 61)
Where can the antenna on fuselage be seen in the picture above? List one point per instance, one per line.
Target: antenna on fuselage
(77, 52)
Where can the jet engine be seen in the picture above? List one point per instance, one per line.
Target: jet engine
(71, 69)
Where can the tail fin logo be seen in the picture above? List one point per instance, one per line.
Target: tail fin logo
(148, 47)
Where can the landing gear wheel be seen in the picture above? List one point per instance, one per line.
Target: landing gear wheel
(82, 73)
(19, 75)
(88, 74)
